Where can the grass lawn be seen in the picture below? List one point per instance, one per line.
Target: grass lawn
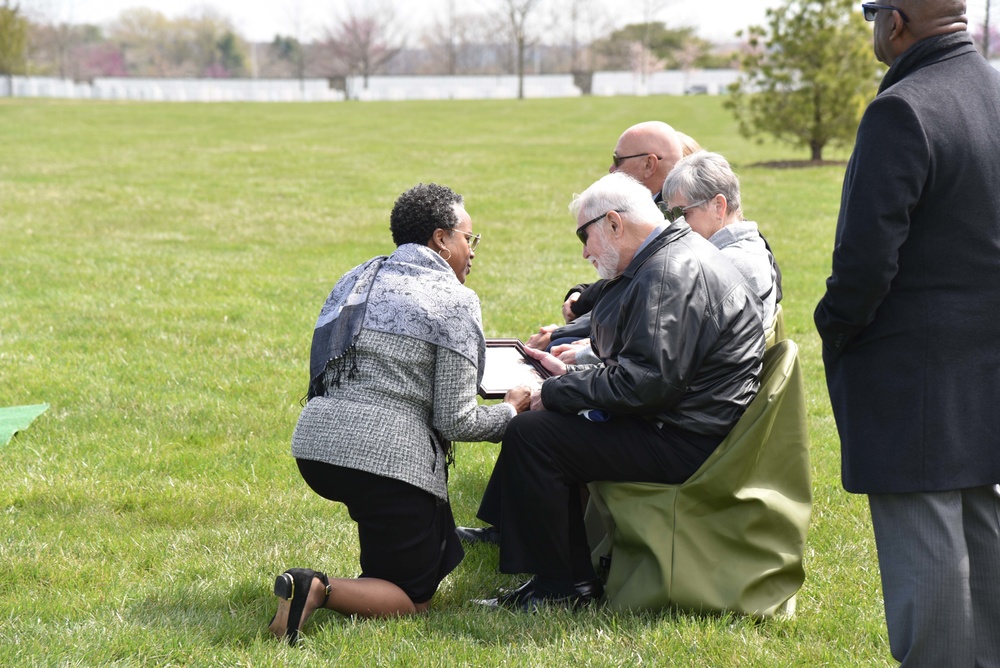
(161, 268)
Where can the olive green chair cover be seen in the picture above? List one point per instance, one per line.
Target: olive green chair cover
(731, 537)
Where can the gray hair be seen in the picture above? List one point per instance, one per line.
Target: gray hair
(617, 192)
(703, 175)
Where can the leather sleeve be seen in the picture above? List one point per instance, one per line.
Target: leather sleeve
(654, 365)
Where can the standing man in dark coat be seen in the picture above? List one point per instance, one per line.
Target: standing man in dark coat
(910, 324)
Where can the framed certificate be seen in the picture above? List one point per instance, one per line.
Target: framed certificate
(507, 366)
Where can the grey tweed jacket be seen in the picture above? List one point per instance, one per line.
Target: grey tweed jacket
(382, 422)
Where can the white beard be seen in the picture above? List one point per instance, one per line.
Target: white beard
(606, 261)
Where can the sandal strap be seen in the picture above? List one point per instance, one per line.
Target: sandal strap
(326, 583)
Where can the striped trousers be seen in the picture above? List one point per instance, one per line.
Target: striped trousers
(939, 558)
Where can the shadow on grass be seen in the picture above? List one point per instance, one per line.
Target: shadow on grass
(798, 164)
(233, 617)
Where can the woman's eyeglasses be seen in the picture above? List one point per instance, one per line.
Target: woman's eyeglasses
(676, 212)
(473, 239)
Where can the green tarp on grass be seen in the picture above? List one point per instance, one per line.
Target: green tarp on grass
(16, 418)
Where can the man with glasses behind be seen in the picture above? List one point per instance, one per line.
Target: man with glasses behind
(647, 152)
(681, 339)
(910, 333)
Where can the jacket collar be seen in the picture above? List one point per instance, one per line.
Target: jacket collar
(927, 52)
(674, 231)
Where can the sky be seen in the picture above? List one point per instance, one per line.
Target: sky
(260, 20)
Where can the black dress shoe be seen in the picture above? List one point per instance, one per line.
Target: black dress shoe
(530, 597)
(478, 535)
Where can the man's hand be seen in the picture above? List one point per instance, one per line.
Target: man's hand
(551, 363)
(519, 397)
(567, 309)
(536, 400)
(540, 341)
(567, 352)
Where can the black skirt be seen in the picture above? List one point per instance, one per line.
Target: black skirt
(407, 535)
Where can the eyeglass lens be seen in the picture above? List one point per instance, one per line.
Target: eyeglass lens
(619, 159)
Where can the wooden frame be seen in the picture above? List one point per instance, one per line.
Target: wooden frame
(507, 366)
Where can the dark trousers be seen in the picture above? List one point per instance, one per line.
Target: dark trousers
(939, 557)
(545, 458)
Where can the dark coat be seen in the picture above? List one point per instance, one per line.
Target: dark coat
(911, 318)
(680, 336)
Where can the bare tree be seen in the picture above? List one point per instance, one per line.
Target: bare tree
(582, 19)
(53, 39)
(986, 31)
(364, 40)
(463, 43)
(647, 62)
(451, 34)
(575, 24)
(203, 43)
(292, 49)
(142, 35)
(516, 13)
(207, 44)
(443, 39)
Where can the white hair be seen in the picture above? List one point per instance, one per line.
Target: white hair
(617, 192)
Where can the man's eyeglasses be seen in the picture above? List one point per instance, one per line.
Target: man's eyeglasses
(870, 10)
(473, 239)
(618, 160)
(581, 232)
(676, 212)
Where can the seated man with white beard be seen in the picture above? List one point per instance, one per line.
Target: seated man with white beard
(681, 342)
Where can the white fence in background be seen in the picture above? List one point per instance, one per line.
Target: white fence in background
(459, 87)
(176, 90)
(378, 88)
(671, 82)
(668, 82)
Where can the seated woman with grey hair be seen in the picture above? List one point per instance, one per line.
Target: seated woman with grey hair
(397, 355)
(704, 189)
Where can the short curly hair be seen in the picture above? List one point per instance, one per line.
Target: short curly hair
(421, 210)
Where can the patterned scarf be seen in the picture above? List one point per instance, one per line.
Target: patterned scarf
(412, 292)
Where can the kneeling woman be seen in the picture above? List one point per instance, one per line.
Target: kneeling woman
(396, 357)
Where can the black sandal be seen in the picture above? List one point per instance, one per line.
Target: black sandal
(294, 585)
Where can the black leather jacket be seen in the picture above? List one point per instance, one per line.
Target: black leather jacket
(680, 337)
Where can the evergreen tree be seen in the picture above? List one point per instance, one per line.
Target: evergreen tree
(807, 76)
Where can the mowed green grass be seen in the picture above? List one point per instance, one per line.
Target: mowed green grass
(161, 267)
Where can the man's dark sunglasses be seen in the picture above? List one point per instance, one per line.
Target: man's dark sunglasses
(619, 159)
(870, 10)
(581, 232)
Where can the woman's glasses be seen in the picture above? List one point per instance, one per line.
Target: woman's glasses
(676, 212)
(473, 239)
